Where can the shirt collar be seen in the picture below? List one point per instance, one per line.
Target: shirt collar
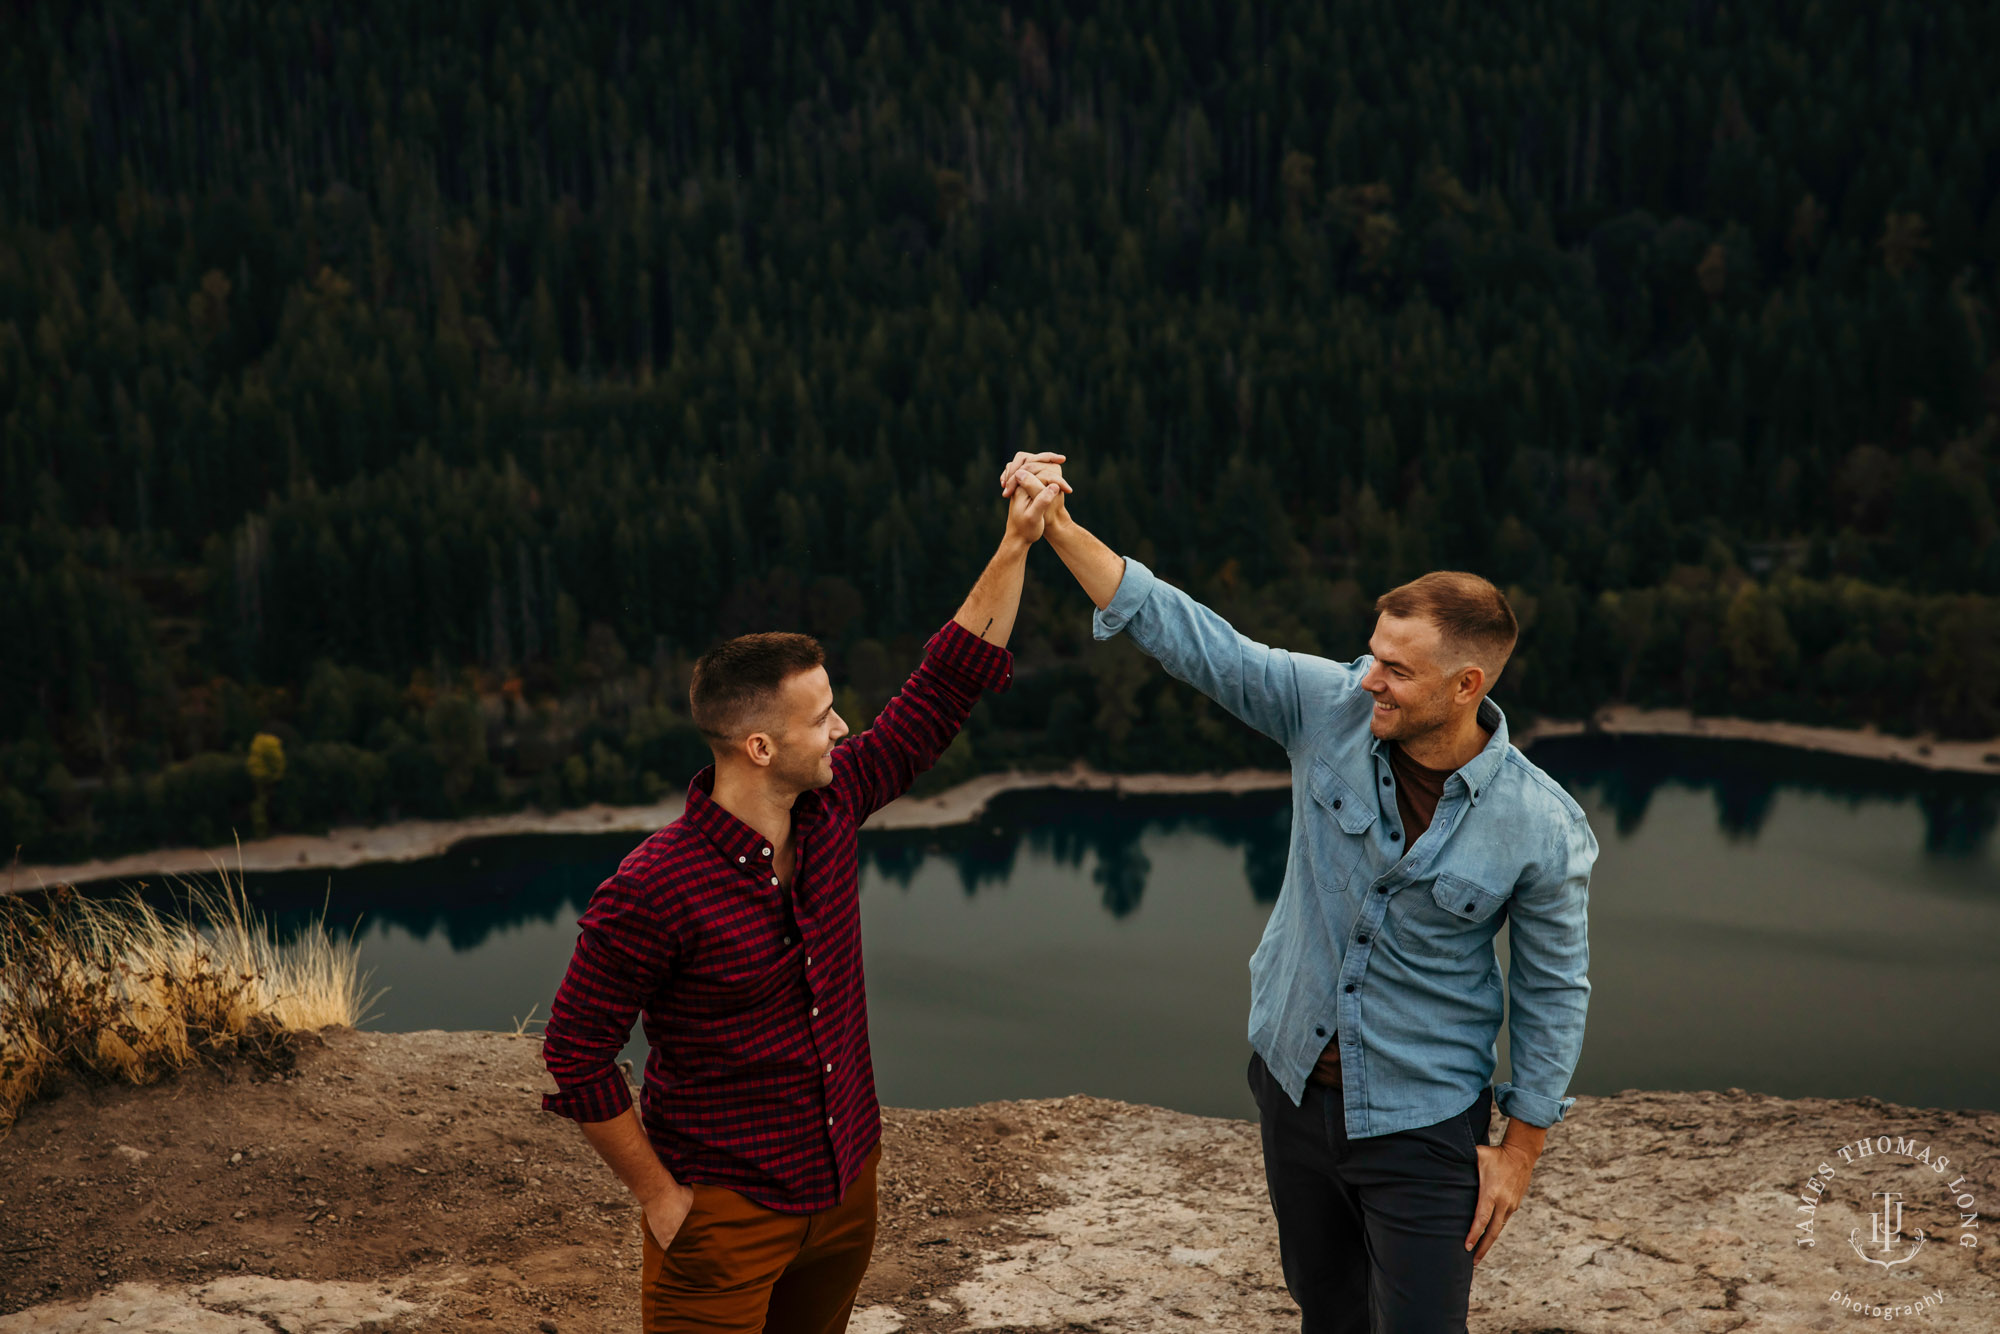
(1477, 772)
(738, 842)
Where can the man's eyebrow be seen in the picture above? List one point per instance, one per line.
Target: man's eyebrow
(1388, 662)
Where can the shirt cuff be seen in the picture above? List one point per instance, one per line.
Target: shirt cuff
(599, 1099)
(1133, 590)
(1537, 1109)
(983, 665)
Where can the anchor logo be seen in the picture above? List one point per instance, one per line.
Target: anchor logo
(1885, 1229)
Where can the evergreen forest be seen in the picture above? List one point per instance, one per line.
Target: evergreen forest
(395, 399)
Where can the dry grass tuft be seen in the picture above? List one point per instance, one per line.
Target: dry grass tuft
(118, 990)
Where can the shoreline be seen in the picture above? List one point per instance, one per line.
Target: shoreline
(415, 840)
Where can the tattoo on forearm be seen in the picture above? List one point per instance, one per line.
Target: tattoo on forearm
(989, 626)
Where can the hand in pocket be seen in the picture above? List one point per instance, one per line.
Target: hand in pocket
(667, 1211)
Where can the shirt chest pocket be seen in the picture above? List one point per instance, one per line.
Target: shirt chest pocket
(1449, 918)
(1336, 828)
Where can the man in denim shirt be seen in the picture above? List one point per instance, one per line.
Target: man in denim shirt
(1375, 993)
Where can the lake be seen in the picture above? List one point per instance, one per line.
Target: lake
(1767, 919)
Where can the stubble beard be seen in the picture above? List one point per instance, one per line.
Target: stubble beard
(813, 776)
(1407, 724)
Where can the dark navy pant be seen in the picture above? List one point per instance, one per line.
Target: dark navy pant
(1371, 1231)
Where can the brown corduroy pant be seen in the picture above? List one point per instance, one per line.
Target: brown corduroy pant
(736, 1267)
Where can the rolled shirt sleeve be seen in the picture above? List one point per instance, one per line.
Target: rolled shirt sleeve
(873, 768)
(1548, 982)
(1133, 591)
(978, 664)
(624, 952)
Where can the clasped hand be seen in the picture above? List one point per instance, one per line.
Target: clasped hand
(1034, 487)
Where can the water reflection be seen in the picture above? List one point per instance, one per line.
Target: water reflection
(1745, 779)
(1958, 824)
(463, 898)
(481, 888)
(1072, 828)
(1758, 919)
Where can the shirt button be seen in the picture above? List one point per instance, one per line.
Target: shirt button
(788, 940)
(767, 852)
(1320, 1031)
(1363, 937)
(1381, 889)
(829, 1069)
(1385, 780)
(1336, 806)
(809, 961)
(829, 1120)
(1395, 836)
(1475, 794)
(774, 880)
(1350, 986)
(815, 1011)
(742, 859)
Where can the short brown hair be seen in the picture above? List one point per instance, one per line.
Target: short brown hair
(738, 675)
(1470, 613)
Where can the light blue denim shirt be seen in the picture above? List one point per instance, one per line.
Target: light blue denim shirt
(1392, 948)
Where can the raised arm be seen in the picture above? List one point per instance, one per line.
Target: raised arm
(966, 657)
(995, 598)
(1268, 688)
(1098, 569)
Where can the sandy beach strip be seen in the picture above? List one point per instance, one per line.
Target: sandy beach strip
(968, 801)
(1865, 743)
(338, 848)
(414, 840)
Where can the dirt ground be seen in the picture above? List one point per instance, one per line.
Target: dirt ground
(426, 1157)
(403, 1182)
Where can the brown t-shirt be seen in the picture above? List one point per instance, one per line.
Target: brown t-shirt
(1418, 790)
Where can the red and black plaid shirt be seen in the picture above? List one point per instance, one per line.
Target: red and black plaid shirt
(759, 1078)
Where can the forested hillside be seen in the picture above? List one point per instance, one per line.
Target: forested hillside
(425, 385)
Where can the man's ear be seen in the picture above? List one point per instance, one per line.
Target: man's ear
(760, 749)
(1471, 681)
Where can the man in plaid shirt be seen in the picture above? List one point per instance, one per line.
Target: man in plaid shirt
(735, 934)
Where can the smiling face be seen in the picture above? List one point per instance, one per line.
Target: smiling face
(763, 700)
(800, 731)
(1417, 687)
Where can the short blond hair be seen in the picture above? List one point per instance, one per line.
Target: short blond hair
(1472, 616)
